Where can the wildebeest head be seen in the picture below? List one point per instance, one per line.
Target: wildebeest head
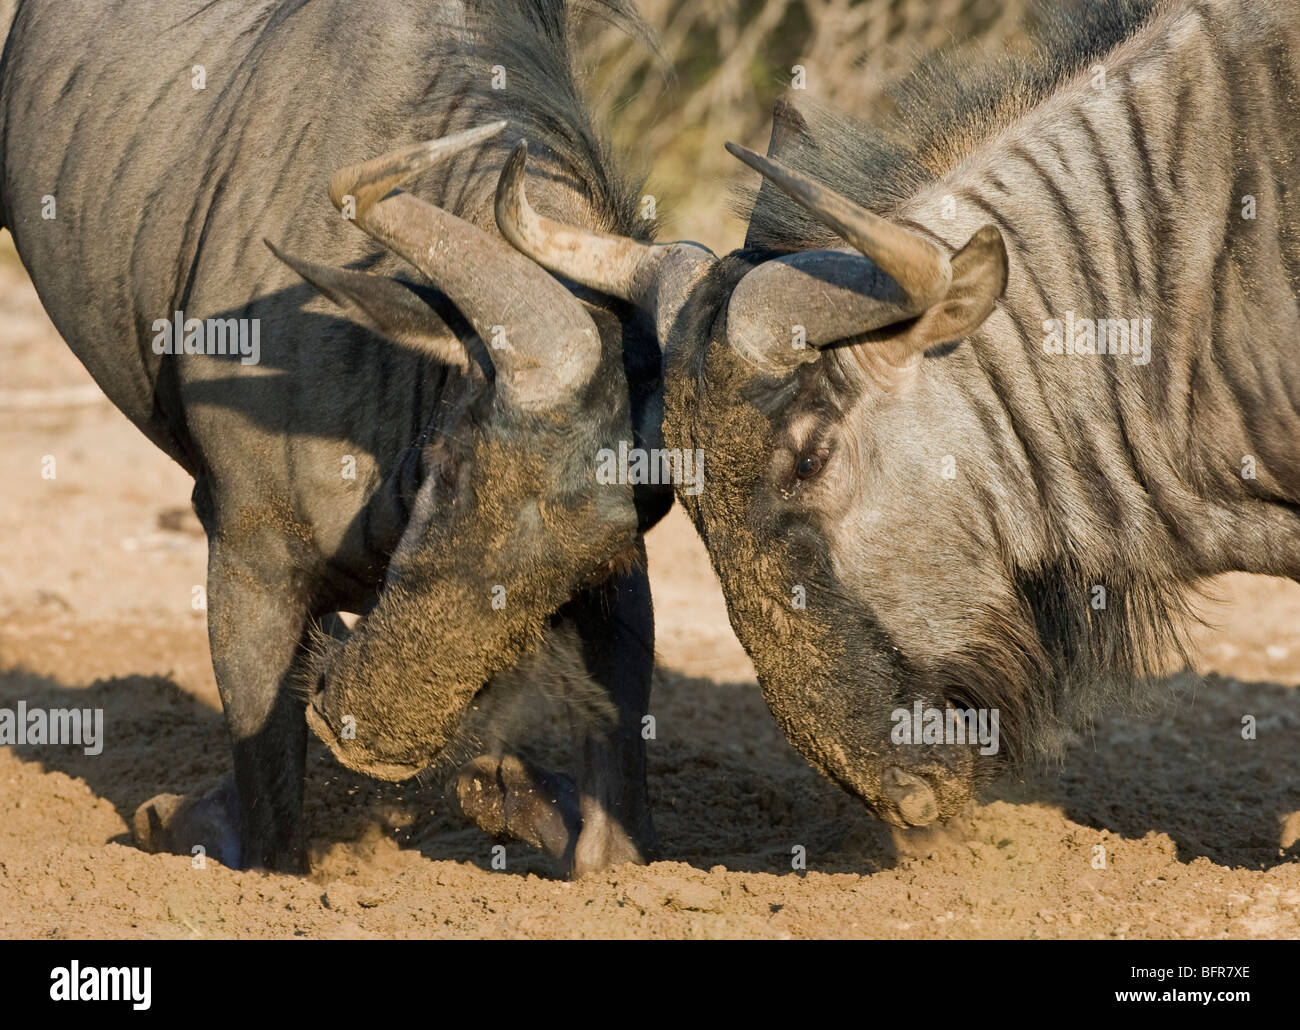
(855, 576)
(508, 520)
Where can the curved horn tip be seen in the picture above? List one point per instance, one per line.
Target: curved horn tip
(744, 154)
(510, 202)
(512, 172)
(305, 269)
(467, 138)
(388, 170)
(287, 258)
(491, 128)
(459, 141)
(765, 166)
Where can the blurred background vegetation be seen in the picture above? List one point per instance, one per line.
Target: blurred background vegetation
(723, 64)
(728, 60)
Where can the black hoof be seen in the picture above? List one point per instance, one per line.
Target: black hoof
(205, 826)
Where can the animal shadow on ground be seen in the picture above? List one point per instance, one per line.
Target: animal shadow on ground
(160, 739)
(1187, 771)
(725, 786)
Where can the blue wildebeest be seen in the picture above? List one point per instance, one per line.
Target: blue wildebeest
(424, 456)
(984, 397)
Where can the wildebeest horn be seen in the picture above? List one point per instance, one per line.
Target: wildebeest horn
(901, 288)
(833, 295)
(920, 267)
(654, 277)
(541, 340)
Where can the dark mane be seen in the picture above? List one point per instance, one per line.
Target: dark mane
(534, 40)
(1053, 664)
(945, 107)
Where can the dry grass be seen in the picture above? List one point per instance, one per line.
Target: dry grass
(731, 59)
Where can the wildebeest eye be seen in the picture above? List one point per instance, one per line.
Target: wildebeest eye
(810, 464)
(440, 464)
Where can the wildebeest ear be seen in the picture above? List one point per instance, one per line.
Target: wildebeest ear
(979, 279)
(385, 307)
(891, 355)
(789, 131)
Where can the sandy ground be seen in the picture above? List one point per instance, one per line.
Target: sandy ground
(1200, 829)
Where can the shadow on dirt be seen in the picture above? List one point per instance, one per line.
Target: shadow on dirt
(725, 786)
(160, 739)
(1189, 773)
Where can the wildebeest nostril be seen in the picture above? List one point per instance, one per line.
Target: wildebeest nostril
(910, 796)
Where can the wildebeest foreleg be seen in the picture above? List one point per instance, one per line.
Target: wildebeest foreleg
(616, 627)
(255, 631)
